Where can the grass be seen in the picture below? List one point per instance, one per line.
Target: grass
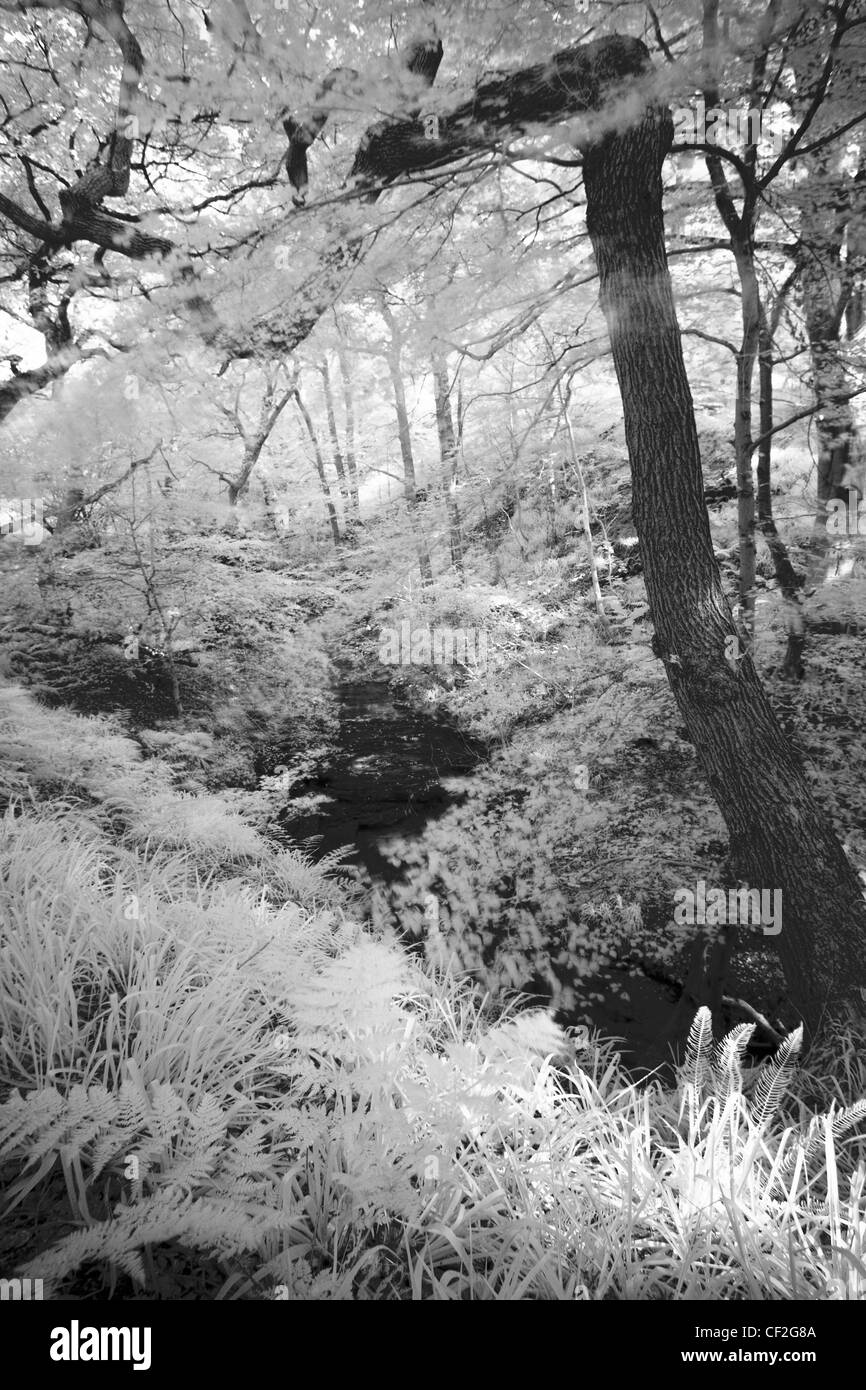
(222, 1085)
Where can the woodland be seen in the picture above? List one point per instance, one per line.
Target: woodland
(432, 650)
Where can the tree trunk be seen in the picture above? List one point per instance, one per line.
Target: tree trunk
(780, 839)
(333, 519)
(270, 411)
(855, 250)
(404, 434)
(828, 199)
(448, 451)
(336, 451)
(746, 358)
(349, 406)
(790, 585)
(272, 510)
(824, 297)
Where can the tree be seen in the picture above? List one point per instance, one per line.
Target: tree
(779, 837)
(800, 66)
(348, 482)
(271, 406)
(393, 355)
(349, 405)
(318, 459)
(448, 452)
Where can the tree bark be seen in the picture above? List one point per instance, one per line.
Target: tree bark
(349, 405)
(746, 358)
(790, 585)
(333, 519)
(829, 200)
(825, 294)
(404, 434)
(448, 452)
(270, 411)
(336, 451)
(272, 510)
(741, 229)
(779, 837)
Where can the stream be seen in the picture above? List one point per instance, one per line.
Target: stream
(385, 780)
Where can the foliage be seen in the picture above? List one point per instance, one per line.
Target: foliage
(334, 1116)
(212, 1066)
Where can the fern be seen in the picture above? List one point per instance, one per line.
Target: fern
(300, 1097)
(774, 1079)
(727, 1062)
(697, 1068)
(837, 1122)
(217, 1225)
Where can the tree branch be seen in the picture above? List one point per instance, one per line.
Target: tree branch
(586, 79)
(25, 384)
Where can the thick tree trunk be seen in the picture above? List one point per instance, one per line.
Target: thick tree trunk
(780, 839)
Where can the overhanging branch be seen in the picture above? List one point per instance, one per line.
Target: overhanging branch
(583, 80)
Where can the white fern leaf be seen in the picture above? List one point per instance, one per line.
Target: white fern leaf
(355, 994)
(774, 1078)
(697, 1069)
(840, 1121)
(727, 1061)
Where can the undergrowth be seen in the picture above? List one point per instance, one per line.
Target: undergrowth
(205, 1056)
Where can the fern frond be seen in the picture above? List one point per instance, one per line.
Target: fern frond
(355, 994)
(773, 1080)
(847, 1118)
(727, 1061)
(22, 1117)
(839, 1121)
(217, 1225)
(697, 1068)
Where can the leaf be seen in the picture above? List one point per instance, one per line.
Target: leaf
(773, 1080)
(727, 1061)
(697, 1068)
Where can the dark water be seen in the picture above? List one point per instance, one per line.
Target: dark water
(385, 780)
(385, 777)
